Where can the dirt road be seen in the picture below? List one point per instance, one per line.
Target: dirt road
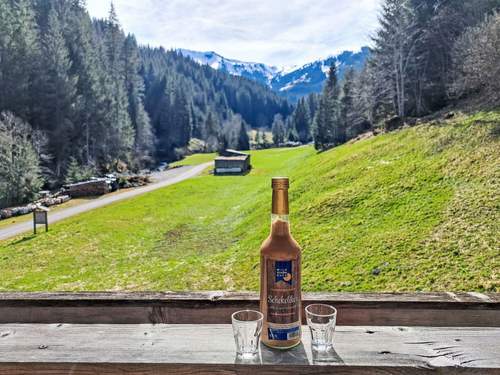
(162, 179)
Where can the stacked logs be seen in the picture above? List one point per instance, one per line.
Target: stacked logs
(87, 188)
(126, 182)
(48, 201)
(53, 201)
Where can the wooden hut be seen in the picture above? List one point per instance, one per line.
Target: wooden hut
(232, 162)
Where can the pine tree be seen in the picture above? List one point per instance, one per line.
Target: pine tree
(212, 129)
(278, 130)
(6, 34)
(223, 143)
(73, 173)
(364, 99)
(20, 58)
(58, 94)
(302, 121)
(163, 119)
(143, 147)
(328, 131)
(90, 109)
(291, 132)
(320, 129)
(76, 172)
(155, 95)
(119, 139)
(347, 105)
(182, 120)
(197, 126)
(243, 140)
(312, 104)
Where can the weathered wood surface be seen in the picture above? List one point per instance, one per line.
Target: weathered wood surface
(200, 349)
(413, 309)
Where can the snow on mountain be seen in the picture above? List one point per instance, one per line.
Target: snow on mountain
(292, 82)
(257, 71)
(290, 85)
(311, 77)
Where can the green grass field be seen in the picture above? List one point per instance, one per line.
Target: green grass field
(416, 209)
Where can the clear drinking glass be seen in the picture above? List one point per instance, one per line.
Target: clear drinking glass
(247, 326)
(321, 320)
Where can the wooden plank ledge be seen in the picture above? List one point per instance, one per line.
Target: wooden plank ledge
(413, 309)
(202, 349)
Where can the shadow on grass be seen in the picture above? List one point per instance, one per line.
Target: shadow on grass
(233, 174)
(24, 239)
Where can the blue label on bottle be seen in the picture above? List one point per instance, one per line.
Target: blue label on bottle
(284, 271)
(283, 334)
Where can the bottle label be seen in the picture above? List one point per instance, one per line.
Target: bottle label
(283, 331)
(283, 299)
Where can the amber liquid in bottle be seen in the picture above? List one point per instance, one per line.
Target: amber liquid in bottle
(280, 294)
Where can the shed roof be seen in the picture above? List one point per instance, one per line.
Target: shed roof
(242, 157)
(230, 151)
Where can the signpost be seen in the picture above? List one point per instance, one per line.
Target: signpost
(40, 217)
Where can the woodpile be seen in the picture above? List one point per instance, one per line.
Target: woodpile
(47, 201)
(126, 182)
(53, 201)
(7, 213)
(88, 188)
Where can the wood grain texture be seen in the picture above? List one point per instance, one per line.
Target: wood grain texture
(460, 297)
(169, 369)
(415, 309)
(200, 349)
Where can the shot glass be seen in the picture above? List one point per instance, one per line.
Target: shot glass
(321, 320)
(247, 326)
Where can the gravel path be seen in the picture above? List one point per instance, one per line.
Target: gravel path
(161, 179)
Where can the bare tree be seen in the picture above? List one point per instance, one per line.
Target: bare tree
(476, 61)
(19, 165)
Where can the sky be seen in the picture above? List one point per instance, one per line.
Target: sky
(275, 32)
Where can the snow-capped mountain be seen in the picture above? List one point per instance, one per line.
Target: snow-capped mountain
(256, 71)
(293, 82)
(311, 77)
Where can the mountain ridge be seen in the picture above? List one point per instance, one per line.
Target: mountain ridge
(257, 71)
(290, 82)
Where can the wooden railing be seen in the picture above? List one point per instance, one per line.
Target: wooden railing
(384, 309)
(189, 333)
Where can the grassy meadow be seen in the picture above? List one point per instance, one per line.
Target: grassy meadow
(416, 209)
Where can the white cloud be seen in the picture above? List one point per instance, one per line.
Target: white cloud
(276, 32)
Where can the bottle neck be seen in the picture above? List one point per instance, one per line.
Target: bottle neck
(280, 224)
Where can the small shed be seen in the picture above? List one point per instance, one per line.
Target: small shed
(232, 162)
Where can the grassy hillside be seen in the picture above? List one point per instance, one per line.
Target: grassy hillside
(416, 209)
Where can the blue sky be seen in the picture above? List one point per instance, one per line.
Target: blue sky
(276, 32)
